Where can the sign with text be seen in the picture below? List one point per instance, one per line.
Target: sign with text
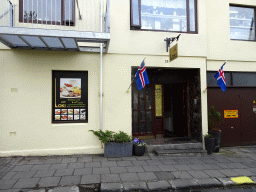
(230, 113)
(173, 53)
(70, 97)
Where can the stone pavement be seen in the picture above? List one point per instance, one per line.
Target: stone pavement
(145, 173)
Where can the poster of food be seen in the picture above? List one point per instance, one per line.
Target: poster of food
(70, 96)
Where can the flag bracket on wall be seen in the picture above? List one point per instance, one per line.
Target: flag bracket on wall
(170, 40)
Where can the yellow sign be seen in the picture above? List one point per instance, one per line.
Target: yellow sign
(242, 180)
(158, 100)
(230, 113)
(173, 53)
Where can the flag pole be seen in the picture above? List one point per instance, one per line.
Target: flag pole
(133, 79)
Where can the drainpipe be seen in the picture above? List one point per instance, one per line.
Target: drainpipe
(101, 23)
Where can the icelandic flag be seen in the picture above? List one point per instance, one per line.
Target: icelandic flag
(221, 78)
(141, 76)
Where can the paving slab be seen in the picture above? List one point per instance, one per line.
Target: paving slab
(9, 175)
(53, 161)
(139, 163)
(183, 184)
(135, 169)
(46, 173)
(25, 174)
(110, 178)
(181, 175)
(90, 179)
(124, 163)
(84, 171)
(49, 182)
(150, 168)
(69, 160)
(212, 182)
(118, 170)
(129, 177)
(230, 172)
(22, 168)
(214, 173)
(65, 189)
(147, 176)
(59, 166)
(70, 180)
(7, 183)
(111, 187)
(108, 164)
(198, 174)
(76, 165)
(164, 175)
(100, 170)
(132, 186)
(226, 181)
(167, 168)
(26, 183)
(244, 172)
(64, 172)
(159, 186)
(154, 162)
(92, 164)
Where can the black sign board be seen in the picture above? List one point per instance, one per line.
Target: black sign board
(69, 96)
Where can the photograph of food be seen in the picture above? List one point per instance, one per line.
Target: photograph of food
(70, 111)
(76, 111)
(76, 117)
(64, 117)
(82, 117)
(82, 111)
(57, 117)
(70, 88)
(70, 117)
(57, 111)
(63, 111)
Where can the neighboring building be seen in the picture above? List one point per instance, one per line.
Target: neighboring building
(53, 72)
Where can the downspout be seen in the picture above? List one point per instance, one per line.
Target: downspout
(101, 27)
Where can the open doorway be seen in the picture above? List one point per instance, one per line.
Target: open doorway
(168, 107)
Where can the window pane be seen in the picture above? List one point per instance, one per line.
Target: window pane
(135, 13)
(149, 122)
(68, 9)
(135, 120)
(42, 10)
(246, 79)
(241, 23)
(135, 96)
(192, 15)
(169, 15)
(211, 81)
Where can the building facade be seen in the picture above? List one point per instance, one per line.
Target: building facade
(67, 67)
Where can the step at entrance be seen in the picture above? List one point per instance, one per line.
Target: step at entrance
(183, 149)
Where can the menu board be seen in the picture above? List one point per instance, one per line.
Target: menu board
(70, 96)
(158, 100)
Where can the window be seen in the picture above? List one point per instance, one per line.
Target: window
(54, 12)
(233, 79)
(242, 24)
(164, 15)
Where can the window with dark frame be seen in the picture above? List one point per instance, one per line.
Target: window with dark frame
(242, 22)
(54, 12)
(233, 79)
(164, 15)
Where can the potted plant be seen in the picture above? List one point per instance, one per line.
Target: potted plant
(139, 147)
(115, 144)
(214, 120)
(209, 143)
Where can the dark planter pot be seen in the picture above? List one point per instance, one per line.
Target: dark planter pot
(209, 145)
(217, 136)
(138, 150)
(118, 149)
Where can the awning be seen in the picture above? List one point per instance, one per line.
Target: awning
(28, 38)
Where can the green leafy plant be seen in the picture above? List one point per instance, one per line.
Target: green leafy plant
(214, 119)
(105, 137)
(110, 136)
(122, 137)
(208, 136)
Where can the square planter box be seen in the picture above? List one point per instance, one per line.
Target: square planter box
(118, 149)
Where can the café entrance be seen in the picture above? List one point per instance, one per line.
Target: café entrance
(170, 106)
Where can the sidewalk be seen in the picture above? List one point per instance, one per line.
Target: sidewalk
(147, 173)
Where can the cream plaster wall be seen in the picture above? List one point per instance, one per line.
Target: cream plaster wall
(25, 115)
(219, 45)
(126, 41)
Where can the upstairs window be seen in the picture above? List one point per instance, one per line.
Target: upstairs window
(53, 12)
(242, 24)
(164, 15)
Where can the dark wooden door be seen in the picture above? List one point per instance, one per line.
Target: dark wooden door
(147, 110)
(241, 130)
(142, 110)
